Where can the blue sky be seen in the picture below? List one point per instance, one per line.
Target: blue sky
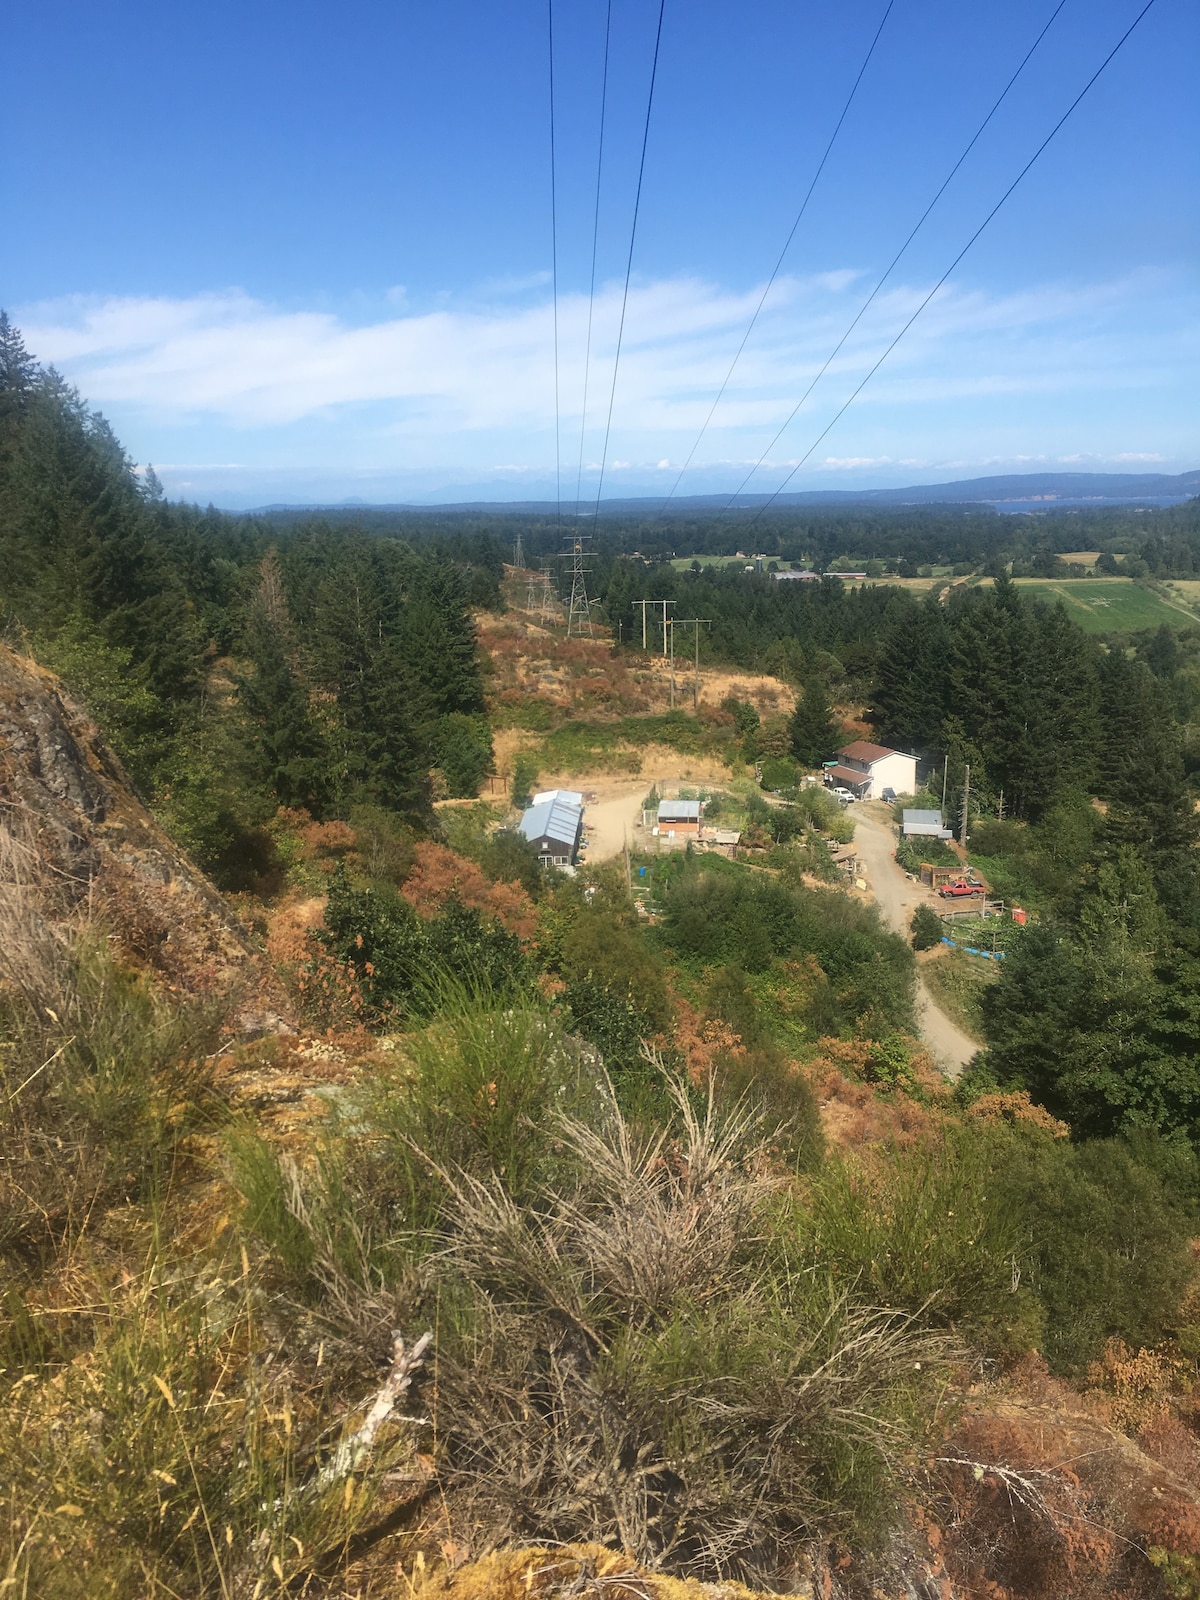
(303, 253)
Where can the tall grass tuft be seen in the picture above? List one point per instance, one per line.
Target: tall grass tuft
(633, 1363)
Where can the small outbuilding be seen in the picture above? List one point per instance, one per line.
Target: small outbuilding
(924, 825)
(554, 827)
(683, 818)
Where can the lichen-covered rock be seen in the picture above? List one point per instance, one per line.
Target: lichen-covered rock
(584, 1572)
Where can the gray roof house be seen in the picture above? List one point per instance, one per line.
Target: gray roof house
(553, 828)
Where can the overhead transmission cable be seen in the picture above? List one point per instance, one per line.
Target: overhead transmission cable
(918, 225)
(637, 201)
(587, 359)
(554, 269)
(999, 203)
(787, 244)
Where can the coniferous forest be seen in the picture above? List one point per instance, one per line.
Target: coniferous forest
(722, 1278)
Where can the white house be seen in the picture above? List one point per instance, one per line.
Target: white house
(869, 769)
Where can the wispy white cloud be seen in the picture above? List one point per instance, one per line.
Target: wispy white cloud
(473, 382)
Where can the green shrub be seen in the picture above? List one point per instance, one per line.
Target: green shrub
(462, 749)
(524, 775)
(717, 916)
(1106, 1244)
(1026, 1240)
(639, 1338)
(779, 773)
(102, 1083)
(911, 854)
(926, 928)
(507, 857)
(406, 965)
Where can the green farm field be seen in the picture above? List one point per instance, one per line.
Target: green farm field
(683, 562)
(1106, 605)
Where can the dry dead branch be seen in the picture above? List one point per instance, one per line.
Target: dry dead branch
(356, 1447)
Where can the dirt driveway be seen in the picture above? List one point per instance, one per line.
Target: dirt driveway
(897, 898)
(611, 820)
(617, 807)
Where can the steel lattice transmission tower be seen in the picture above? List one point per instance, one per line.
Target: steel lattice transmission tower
(548, 601)
(519, 552)
(579, 608)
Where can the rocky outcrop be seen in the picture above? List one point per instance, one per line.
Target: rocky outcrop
(91, 850)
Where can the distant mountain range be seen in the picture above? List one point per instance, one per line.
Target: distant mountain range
(1031, 489)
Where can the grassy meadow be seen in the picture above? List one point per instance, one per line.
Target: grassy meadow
(1105, 605)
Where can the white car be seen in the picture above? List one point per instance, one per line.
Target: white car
(844, 796)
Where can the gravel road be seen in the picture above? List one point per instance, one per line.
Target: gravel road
(897, 898)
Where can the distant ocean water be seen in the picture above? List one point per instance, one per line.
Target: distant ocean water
(1091, 502)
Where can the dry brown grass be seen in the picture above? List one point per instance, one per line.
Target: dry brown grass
(636, 1373)
(33, 939)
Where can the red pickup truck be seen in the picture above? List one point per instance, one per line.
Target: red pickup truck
(959, 888)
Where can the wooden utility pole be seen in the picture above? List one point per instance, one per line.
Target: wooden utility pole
(664, 604)
(966, 803)
(697, 623)
(672, 654)
(643, 604)
(945, 775)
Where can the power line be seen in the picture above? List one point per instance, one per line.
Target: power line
(920, 223)
(637, 201)
(787, 244)
(554, 267)
(1020, 175)
(587, 359)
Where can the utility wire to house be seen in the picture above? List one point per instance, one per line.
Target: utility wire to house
(945, 275)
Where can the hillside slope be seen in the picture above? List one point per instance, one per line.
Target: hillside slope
(82, 846)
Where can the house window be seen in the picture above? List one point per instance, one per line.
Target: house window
(560, 861)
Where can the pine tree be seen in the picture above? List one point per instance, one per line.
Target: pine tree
(290, 750)
(18, 369)
(812, 731)
(1150, 806)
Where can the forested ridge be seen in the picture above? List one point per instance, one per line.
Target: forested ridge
(234, 666)
(1135, 540)
(719, 1271)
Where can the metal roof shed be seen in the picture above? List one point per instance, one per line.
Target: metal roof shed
(679, 811)
(924, 825)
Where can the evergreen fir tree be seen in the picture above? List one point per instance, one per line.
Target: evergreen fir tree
(812, 731)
